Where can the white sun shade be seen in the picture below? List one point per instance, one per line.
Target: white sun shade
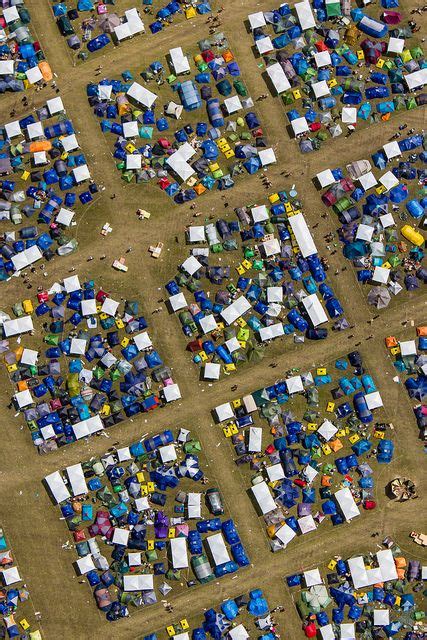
(307, 524)
(191, 265)
(110, 306)
(29, 356)
(312, 577)
(212, 371)
(218, 549)
(88, 307)
(224, 412)
(171, 392)
(55, 105)
(177, 301)
(141, 582)
(85, 564)
(263, 497)
(142, 341)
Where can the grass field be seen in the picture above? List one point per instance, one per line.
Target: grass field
(31, 522)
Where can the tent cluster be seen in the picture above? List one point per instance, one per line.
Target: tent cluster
(222, 623)
(42, 169)
(313, 459)
(370, 597)
(371, 208)
(411, 362)
(337, 67)
(140, 506)
(22, 61)
(280, 289)
(185, 159)
(13, 595)
(98, 366)
(78, 23)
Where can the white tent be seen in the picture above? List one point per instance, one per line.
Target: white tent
(142, 582)
(263, 497)
(285, 534)
(120, 536)
(171, 392)
(315, 310)
(238, 633)
(17, 326)
(299, 125)
(122, 31)
(368, 180)
(65, 217)
(167, 453)
(179, 61)
(307, 524)
(267, 156)
(196, 234)
(179, 553)
(256, 20)
(236, 309)
(302, 235)
(104, 91)
(87, 427)
(224, 412)
(11, 576)
(255, 439)
(305, 15)
(278, 78)
(294, 384)
(29, 356)
(57, 487)
(312, 577)
(212, 371)
(272, 331)
(85, 564)
(77, 479)
(141, 95)
(320, 89)
(218, 549)
(88, 307)
(346, 502)
(416, 80)
(264, 45)
(142, 341)
(194, 505)
(177, 301)
(110, 306)
(23, 398)
(327, 430)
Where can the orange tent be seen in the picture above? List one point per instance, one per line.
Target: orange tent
(46, 71)
(199, 189)
(41, 145)
(421, 331)
(228, 56)
(336, 445)
(391, 342)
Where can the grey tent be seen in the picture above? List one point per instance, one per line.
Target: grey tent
(255, 353)
(109, 22)
(379, 297)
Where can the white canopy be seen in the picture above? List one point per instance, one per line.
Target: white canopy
(294, 384)
(194, 505)
(177, 301)
(141, 95)
(179, 553)
(347, 631)
(77, 479)
(130, 129)
(29, 356)
(349, 115)
(17, 325)
(305, 15)
(327, 430)
(325, 178)
(232, 104)
(81, 173)
(275, 472)
(6, 67)
(224, 412)
(178, 161)
(302, 235)
(238, 633)
(167, 453)
(218, 549)
(381, 274)
(381, 617)
(69, 143)
(26, 257)
(88, 307)
(120, 536)
(278, 78)
(133, 161)
(171, 392)
(255, 439)
(267, 156)
(315, 310)
(72, 283)
(212, 371)
(55, 105)
(236, 309)
(416, 80)
(346, 502)
(395, 45)
(392, 149)
(263, 497)
(65, 217)
(299, 125)
(87, 427)
(196, 234)
(320, 89)
(322, 59)
(408, 347)
(142, 582)
(264, 45)
(312, 577)
(272, 331)
(389, 180)
(368, 180)
(11, 576)
(35, 130)
(57, 487)
(285, 534)
(110, 306)
(142, 341)
(307, 524)
(23, 398)
(373, 400)
(179, 61)
(256, 20)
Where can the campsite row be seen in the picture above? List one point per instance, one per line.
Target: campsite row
(45, 175)
(205, 133)
(312, 437)
(137, 513)
(93, 366)
(372, 205)
(338, 67)
(271, 283)
(89, 26)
